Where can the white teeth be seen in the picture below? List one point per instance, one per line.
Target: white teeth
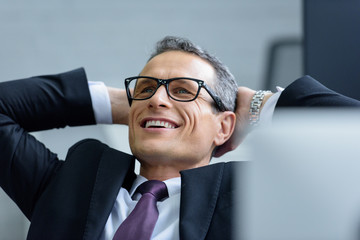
(158, 123)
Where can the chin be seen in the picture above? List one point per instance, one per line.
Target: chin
(150, 150)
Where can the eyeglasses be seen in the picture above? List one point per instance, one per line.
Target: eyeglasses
(180, 89)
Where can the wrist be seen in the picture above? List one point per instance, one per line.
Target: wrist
(266, 98)
(119, 105)
(258, 100)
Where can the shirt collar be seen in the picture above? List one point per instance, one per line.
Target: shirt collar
(173, 185)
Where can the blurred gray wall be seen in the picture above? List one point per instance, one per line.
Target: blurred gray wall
(113, 39)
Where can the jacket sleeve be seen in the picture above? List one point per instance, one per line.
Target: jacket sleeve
(307, 92)
(34, 104)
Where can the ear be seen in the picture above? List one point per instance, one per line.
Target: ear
(227, 122)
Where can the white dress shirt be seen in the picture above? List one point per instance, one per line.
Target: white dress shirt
(101, 102)
(268, 109)
(167, 225)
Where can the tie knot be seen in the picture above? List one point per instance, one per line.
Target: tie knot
(157, 188)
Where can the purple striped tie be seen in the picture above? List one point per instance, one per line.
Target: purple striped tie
(140, 224)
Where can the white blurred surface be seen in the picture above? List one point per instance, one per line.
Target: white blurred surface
(302, 182)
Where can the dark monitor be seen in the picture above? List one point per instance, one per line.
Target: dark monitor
(332, 44)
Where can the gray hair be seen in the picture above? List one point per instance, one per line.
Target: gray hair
(225, 86)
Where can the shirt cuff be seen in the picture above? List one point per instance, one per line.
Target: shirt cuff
(268, 109)
(101, 102)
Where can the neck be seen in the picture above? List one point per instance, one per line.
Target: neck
(158, 173)
(161, 172)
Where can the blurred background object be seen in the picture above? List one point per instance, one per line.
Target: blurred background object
(302, 181)
(331, 40)
(284, 62)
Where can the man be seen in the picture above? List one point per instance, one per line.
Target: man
(176, 124)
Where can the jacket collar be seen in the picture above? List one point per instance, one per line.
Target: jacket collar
(116, 170)
(196, 210)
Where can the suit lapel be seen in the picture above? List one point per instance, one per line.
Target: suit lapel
(115, 169)
(199, 194)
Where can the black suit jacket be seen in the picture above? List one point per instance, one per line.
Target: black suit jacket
(72, 199)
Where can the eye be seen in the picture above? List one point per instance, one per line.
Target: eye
(148, 90)
(144, 91)
(144, 88)
(181, 91)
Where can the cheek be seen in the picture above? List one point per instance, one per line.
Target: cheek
(134, 114)
(200, 121)
(132, 125)
(191, 118)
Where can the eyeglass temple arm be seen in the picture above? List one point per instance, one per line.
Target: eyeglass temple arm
(216, 99)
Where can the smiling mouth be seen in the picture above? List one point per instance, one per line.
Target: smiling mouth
(159, 124)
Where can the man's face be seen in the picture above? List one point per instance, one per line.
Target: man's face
(166, 132)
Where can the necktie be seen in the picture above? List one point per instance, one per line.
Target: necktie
(140, 224)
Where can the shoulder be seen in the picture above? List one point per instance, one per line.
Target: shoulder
(86, 147)
(87, 144)
(94, 150)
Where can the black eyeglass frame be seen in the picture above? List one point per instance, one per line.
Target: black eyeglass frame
(219, 104)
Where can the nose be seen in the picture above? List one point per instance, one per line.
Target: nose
(160, 98)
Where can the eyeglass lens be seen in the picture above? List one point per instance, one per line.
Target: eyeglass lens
(179, 89)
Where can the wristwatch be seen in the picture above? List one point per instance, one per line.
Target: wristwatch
(255, 105)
